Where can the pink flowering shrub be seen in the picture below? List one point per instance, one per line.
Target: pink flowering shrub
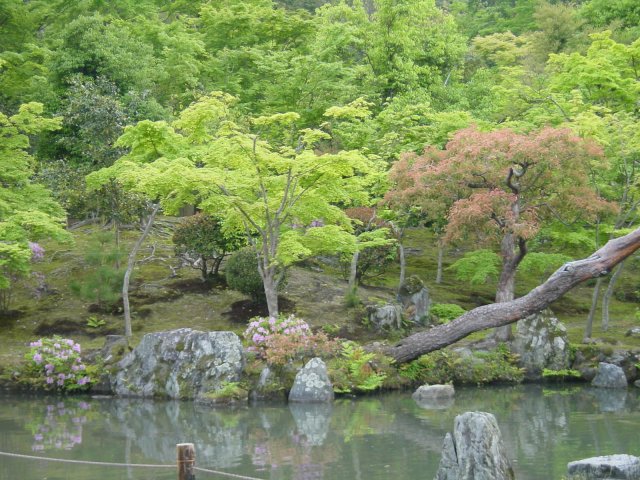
(283, 340)
(55, 364)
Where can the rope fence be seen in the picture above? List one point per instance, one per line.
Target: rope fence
(185, 463)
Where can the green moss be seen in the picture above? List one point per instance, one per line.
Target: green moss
(560, 375)
(180, 346)
(228, 391)
(446, 366)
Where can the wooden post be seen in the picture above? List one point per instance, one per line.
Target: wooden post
(186, 461)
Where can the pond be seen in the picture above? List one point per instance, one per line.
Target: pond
(381, 437)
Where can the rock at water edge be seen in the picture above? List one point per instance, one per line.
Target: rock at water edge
(541, 343)
(609, 376)
(180, 364)
(312, 384)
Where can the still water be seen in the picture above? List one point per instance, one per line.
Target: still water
(382, 437)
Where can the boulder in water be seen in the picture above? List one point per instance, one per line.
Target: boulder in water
(475, 451)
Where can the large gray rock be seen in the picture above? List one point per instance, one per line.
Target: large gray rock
(541, 342)
(475, 451)
(385, 317)
(312, 384)
(180, 364)
(415, 300)
(609, 466)
(609, 376)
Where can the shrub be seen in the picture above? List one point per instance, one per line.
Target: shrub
(54, 364)
(445, 312)
(200, 241)
(354, 371)
(444, 366)
(103, 283)
(283, 340)
(241, 273)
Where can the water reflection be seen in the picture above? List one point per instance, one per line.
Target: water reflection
(373, 438)
(60, 427)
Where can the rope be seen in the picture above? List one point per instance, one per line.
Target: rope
(225, 474)
(109, 464)
(85, 462)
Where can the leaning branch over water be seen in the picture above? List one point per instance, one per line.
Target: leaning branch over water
(500, 314)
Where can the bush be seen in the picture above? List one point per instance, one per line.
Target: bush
(444, 366)
(103, 283)
(199, 240)
(283, 340)
(54, 364)
(241, 273)
(445, 312)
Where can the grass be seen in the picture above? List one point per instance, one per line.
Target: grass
(161, 302)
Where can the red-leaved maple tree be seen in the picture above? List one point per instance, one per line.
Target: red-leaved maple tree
(500, 187)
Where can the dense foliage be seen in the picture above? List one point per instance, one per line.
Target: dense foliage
(502, 125)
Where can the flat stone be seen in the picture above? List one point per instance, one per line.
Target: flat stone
(434, 391)
(609, 376)
(607, 467)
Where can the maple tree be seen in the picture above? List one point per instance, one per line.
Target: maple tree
(261, 176)
(506, 186)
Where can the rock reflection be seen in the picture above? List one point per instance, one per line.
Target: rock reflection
(610, 399)
(312, 420)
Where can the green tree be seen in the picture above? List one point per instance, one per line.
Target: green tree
(261, 176)
(28, 212)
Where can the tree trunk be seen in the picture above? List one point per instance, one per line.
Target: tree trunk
(440, 256)
(216, 265)
(116, 226)
(403, 265)
(353, 272)
(607, 296)
(127, 275)
(271, 290)
(592, 311)
(500, 314)
(203, 268)
(507, 282)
